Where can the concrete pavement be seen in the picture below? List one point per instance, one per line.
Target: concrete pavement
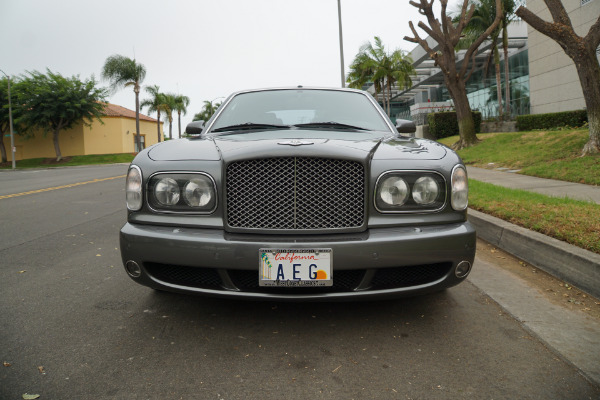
(574, 336)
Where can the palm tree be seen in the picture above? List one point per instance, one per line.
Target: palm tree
(207, 111)
(122, 71)
(375, 64)
(169, 105)
(483, 17)
(181, 104)
(154, 104)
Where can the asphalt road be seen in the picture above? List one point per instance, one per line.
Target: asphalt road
(74, 326)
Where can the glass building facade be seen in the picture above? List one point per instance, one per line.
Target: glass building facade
(482, 90)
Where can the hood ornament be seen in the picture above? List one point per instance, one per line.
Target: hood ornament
(295, 143)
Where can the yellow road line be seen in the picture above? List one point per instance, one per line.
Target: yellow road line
(8, 196)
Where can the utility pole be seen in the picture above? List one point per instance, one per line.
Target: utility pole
(341, 44)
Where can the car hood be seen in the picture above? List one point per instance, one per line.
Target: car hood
(208, 149)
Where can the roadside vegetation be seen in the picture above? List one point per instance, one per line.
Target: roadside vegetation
(575, 222)
(545, 154)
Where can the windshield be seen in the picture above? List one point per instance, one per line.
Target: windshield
(302, 109)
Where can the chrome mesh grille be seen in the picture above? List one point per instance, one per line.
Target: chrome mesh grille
(295, 193)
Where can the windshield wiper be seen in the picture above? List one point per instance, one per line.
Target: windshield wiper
(332, 125)
(249, 126)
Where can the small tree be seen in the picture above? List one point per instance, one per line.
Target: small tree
(384, 69)
(582, 51)
(121, 72)
(207, 111)
(447, 35)
(154, 104)
(181, 104)
(169, 105)
(52, 103)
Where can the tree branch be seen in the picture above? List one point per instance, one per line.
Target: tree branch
(593, 36)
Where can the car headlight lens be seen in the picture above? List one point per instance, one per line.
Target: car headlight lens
(460, 188)
(133, 188)
(198, 192)
(167, 192)
(182, 192)
(406, 191)
(394, 191)
(425, 190)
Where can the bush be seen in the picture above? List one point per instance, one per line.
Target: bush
(571, 119)
(444, 124)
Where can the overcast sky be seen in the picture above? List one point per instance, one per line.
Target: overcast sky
(202, 49)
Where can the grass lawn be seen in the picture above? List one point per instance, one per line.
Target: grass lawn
(71, 161)
(546, 154)
(575, 222)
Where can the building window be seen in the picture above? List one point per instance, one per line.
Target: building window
(142, 143)
(584, 2)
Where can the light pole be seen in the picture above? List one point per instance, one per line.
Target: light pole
(12, 135)
(341, 44)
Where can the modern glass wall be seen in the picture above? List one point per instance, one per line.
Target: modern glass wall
(482, 89)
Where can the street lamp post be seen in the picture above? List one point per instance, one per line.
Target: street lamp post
(341, 44)
(12, 135)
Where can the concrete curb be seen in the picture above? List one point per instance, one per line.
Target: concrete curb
(574, 265)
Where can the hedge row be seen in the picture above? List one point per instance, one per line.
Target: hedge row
(571, 119)
(444, 124)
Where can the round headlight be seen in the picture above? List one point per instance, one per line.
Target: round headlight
(198, 192)
(425, 190)
(133, 188)
(460, 188)
(394, 191)
(167, 192)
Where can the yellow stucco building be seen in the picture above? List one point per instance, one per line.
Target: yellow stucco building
(116, 135)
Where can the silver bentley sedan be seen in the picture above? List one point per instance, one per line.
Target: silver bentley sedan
(298, 194)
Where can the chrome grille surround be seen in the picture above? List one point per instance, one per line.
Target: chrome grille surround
(295, 194)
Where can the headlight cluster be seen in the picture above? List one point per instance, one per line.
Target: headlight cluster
(183, 192)
(410, 191)
(420, 191)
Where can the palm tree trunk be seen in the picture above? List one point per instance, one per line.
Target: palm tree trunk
(158, 125)
(179, 122)
(138, 140)
(506, 73)
(498, 83)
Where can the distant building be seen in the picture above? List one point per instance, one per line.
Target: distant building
(115, 135)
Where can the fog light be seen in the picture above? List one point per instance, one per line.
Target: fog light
(133, 269)
(462, 269)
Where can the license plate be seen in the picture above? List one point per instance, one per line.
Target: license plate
(295, 267)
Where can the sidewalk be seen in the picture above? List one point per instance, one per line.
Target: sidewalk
(576, 266)
(548, 187)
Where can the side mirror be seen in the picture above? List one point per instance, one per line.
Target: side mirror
(405, 126)
(194, 127)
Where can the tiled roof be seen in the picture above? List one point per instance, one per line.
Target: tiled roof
(113, 110)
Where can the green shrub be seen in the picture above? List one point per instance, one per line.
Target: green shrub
(571, 119)
(444, 124)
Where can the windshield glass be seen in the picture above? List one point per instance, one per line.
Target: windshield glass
(302, 106)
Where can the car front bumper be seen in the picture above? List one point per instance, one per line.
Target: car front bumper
(187, 251)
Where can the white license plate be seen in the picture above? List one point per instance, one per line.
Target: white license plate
(295, 267)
